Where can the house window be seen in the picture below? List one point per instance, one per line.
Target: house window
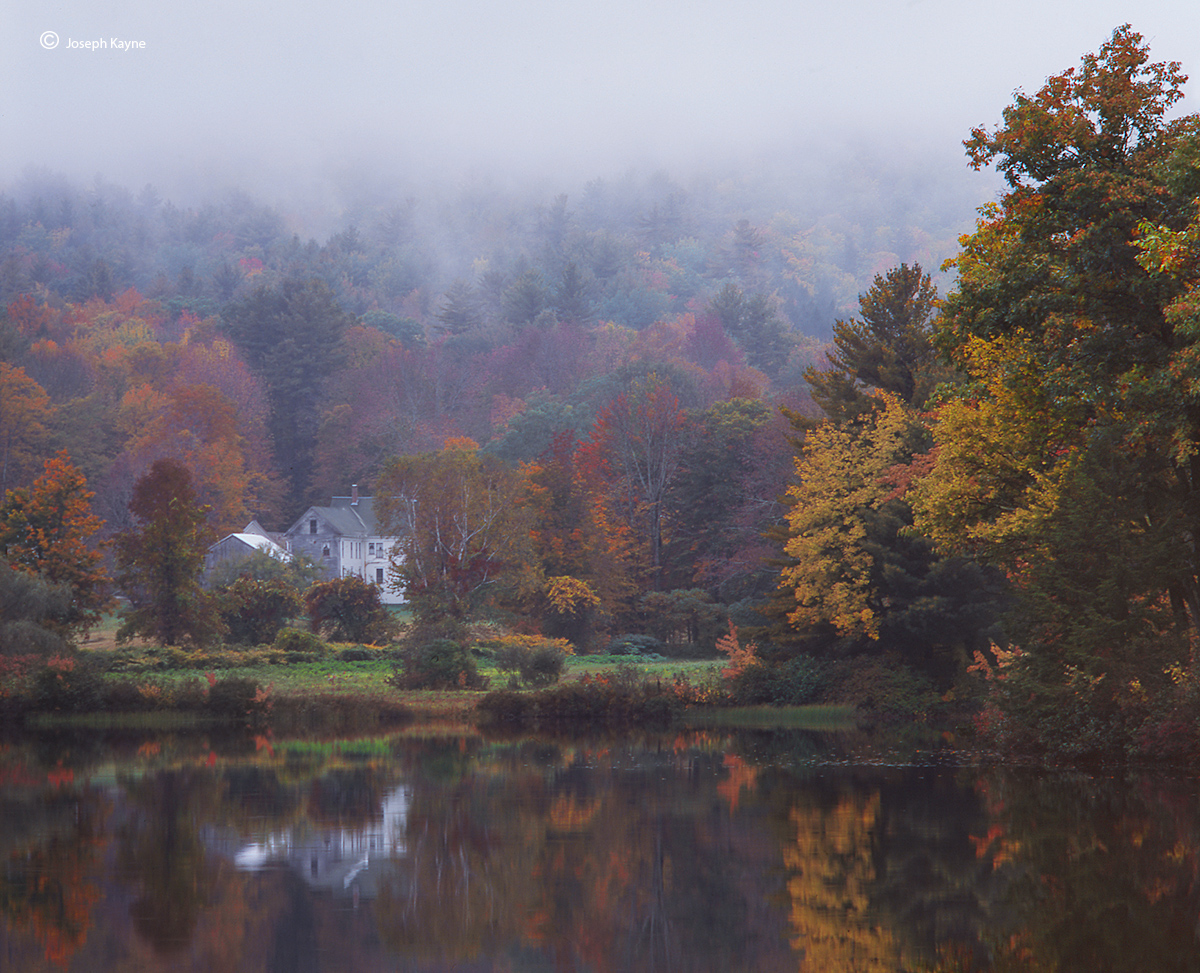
(379, 576)
(325, 551)
(312, 526)
(371, 549)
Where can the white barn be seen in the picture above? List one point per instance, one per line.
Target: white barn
(254, 539)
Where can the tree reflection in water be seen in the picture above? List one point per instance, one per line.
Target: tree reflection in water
(691, 854)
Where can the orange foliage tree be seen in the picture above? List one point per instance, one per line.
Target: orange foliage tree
(631, 459)
(25, 410)
(44, 531)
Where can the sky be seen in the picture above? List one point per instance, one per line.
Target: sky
(261, 93)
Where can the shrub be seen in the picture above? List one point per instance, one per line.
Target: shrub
(337, 714)
(536, 661)
(793, 683)
(505, 706)
(587, 703)
(435, 663)
(709, 689)
(357, 654)
(507, 657)
(800, 681)
(190, 695)
(34, 613)
(17, 673)
(348, 610)
(297, 640)
(234, 696)
(543, 666)
(255, 610)
(68, 684)
(133, 696)
(882, 687)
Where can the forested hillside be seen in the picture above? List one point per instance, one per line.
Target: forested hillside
(668, 409)
(283, 368)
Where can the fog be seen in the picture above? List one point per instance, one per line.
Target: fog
(309, 98)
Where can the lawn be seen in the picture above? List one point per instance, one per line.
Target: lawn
(304, 680)
(332, 675)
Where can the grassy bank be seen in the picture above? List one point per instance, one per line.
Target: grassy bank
(816, 717)
(305, 685)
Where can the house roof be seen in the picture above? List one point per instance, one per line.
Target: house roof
(264, 544)
(363, 508)
(346, 516)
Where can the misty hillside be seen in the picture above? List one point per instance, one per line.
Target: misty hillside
(285, 366)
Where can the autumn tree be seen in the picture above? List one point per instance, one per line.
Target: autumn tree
(563, 544)
(736, 464)
(45, 531)
(839, 485)
(1054, 315)
(25, 411)
(633, 455)
(463, 535)
(161, 560)
(889, 348)
(1077, 407)
(201, 427)
(253, 611)
(858, 578)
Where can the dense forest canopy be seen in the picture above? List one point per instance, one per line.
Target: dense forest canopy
(282, 367)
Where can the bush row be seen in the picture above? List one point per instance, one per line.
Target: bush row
(70, 684)
(290, 646)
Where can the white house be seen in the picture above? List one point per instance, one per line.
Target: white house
(344, 539)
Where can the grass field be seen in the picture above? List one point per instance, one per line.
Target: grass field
(333, 675)
(363, 683)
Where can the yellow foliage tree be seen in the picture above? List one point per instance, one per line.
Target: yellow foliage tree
(840, 478)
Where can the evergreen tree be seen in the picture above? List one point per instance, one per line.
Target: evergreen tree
(890, 349)
(753, 322)
(291, 336)
(461, 311)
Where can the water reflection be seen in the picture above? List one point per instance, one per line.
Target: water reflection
(335, 859)
(700, 852)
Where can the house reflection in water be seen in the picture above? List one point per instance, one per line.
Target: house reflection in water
(337, 860)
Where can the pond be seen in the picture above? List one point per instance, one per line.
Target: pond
(699, 851)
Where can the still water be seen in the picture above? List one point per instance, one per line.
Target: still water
(703, 851)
